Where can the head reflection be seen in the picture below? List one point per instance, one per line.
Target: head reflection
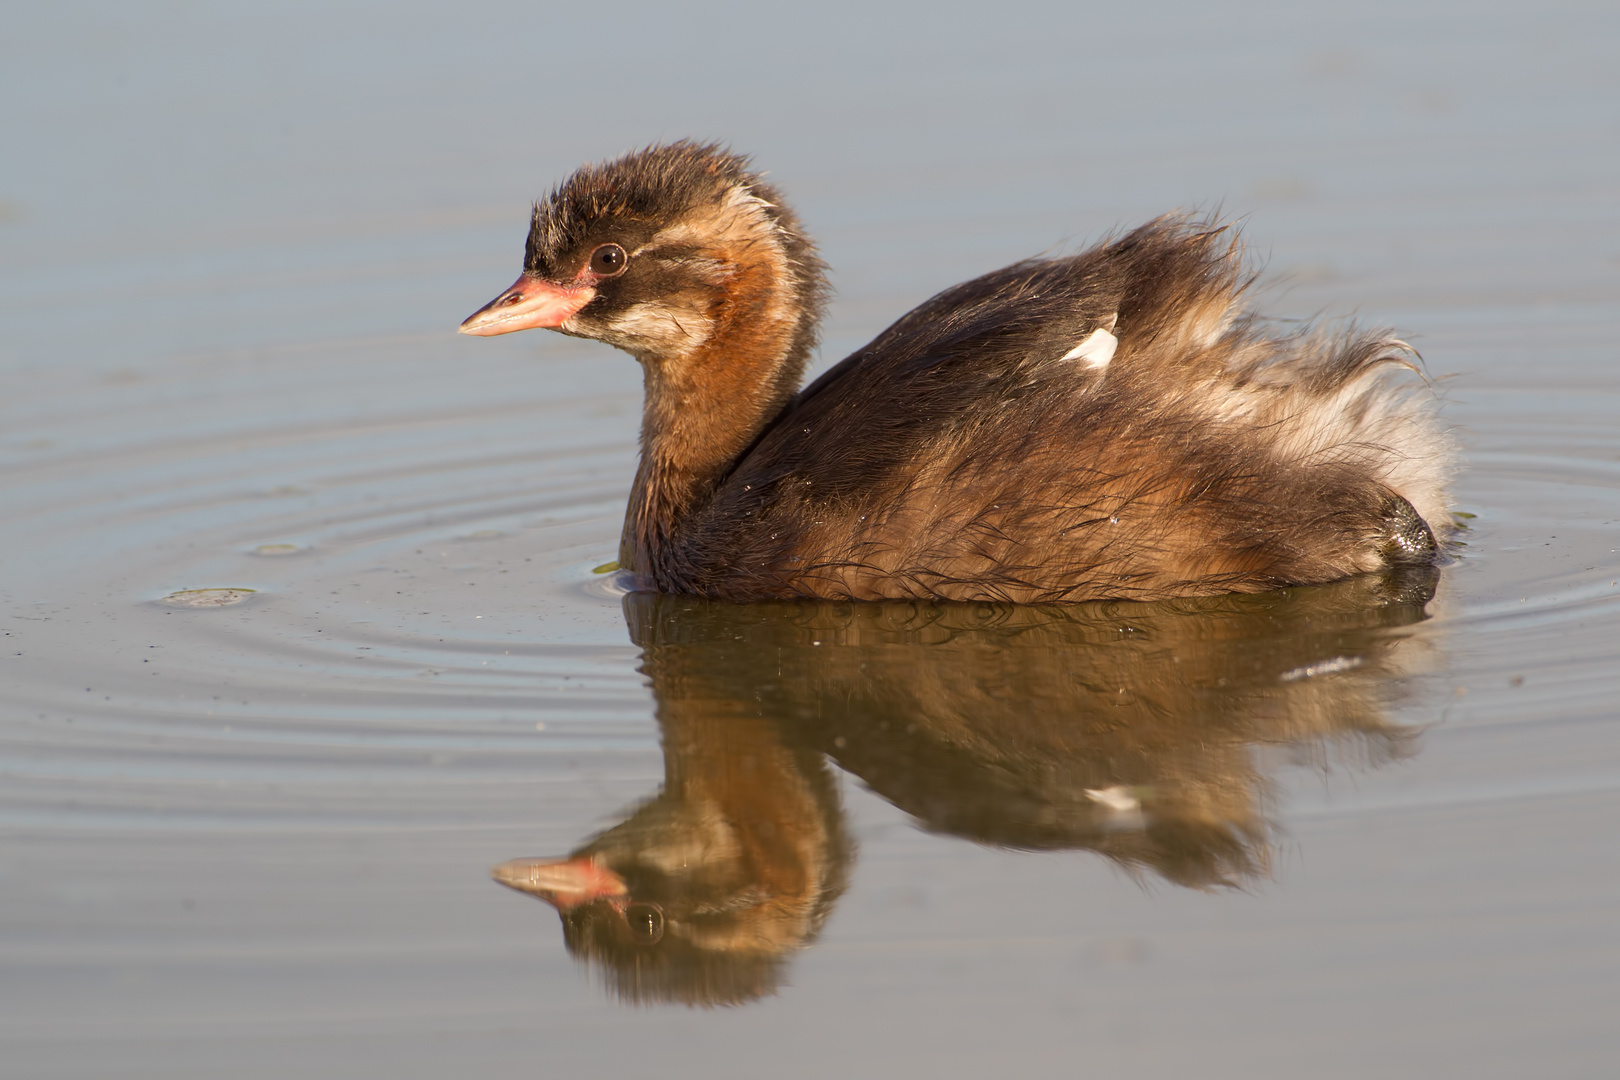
(700, 894)
(1143, 732)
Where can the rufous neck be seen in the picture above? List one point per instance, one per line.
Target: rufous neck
(705, 407)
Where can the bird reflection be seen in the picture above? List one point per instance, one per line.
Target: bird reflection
(1143, 732)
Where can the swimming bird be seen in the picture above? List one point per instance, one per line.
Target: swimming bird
(1109, 424)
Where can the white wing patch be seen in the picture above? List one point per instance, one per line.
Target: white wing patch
(1097, 350)
(1119, 798)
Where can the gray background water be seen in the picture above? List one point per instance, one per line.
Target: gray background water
(253, 840)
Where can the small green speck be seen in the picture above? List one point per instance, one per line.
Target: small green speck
(606, 568)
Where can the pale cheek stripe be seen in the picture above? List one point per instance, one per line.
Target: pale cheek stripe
(1097, 350)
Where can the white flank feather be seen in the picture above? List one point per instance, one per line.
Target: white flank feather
(1097, 350)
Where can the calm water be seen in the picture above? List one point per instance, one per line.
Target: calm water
(1334, 832)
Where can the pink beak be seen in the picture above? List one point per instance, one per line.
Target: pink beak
(562, 883)
(528, 304)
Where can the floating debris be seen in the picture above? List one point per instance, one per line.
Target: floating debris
(203, 598)
(606, 568)
(277, 549)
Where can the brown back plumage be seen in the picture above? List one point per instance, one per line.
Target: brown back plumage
(960, 456)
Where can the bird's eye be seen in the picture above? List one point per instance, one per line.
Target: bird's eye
(608, 260)
(646, 923)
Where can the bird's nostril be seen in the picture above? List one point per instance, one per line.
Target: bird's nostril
(511, 298)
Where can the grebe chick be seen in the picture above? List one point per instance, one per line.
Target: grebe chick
(1110, 424)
